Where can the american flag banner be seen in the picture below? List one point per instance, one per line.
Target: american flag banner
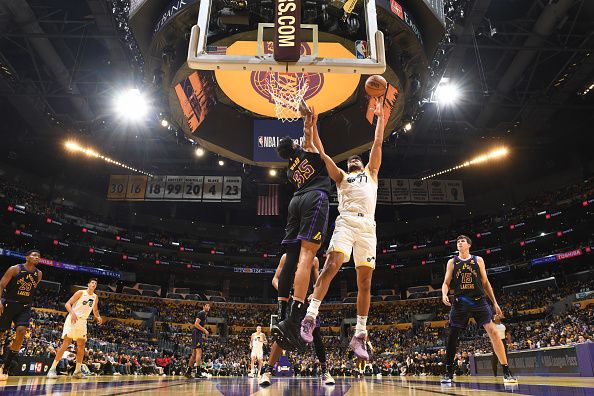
(268, 199)
(216, 50)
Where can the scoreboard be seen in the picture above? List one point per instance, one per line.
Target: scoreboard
(174, 188)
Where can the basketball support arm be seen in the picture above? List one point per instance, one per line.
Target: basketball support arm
(375, 63)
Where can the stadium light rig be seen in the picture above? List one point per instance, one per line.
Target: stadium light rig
(497, 153)
(76, 148)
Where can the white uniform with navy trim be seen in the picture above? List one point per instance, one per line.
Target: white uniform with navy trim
(258, 346)
(355, 225)
(82, 308)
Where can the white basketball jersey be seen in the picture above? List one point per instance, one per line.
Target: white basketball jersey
(357, 193)
(257, 341)
(84, 305)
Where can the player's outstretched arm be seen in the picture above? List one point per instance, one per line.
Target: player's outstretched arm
(333, 171)
(375, 157)
(308, 130)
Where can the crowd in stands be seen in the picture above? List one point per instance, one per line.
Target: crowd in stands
(431, 239)
(122, 347)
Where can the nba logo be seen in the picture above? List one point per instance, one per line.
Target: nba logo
(361, 49)
(38, 367)
(260, 141)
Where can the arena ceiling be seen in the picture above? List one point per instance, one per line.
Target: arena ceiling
(524, 67)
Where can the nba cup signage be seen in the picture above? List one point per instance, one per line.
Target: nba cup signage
(287, 31)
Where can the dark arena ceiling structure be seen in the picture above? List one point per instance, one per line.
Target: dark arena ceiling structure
(524, 69)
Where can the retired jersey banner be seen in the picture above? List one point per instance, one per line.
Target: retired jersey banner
(418, 192)
(174, 188)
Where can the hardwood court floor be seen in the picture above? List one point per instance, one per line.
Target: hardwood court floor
(240, 386)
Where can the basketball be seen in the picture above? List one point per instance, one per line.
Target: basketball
(375, 86)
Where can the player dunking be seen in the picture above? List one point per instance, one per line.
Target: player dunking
(79, 308)
(467, 277)
(307, 223)
(257, 342)
(197, 331)
(354, 231)
(20, 282)
(277, 349)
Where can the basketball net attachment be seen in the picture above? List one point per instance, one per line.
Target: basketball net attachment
(287, 91)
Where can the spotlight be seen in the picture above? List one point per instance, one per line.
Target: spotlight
(446, 93)
(221, 162)
(199, 152)
(408, 126)
(272, 172)
(164, 123)
(131, 104)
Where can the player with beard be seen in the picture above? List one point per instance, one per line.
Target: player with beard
(354, 231)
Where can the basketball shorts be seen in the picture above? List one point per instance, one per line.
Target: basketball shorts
(465, 307)
(196, 338)
(17, 313)
(257, 353)
(77, 331)
(355, 234)
(307, 218)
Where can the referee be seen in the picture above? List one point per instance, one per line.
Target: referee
(501, 334)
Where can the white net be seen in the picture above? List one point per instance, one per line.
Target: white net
(287, 91)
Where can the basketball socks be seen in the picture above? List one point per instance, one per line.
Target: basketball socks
(451, 345)
(361, 326)
(282, 309)
(54, 365)
(297, 311)
(312, 310)
(506, 370)
(8, 359)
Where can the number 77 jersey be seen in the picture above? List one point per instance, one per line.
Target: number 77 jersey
(307, 172)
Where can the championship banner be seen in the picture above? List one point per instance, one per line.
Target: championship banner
(400, 190)
(174, 188)
(410, 191)
(384, 195)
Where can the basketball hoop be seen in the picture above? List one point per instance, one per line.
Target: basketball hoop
(287, 91)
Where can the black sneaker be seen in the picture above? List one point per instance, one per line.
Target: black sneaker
(188, 374)
(288, 331)
(508, 378)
